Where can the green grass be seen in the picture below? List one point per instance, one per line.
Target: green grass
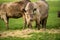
(52, 22)
(36, 36)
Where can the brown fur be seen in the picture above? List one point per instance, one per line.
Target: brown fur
(12, 10)
(37, 11)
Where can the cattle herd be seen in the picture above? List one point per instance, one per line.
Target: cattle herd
(30, 11)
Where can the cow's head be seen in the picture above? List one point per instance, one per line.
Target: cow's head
(29, 12)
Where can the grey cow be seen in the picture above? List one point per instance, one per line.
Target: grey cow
(37, 11)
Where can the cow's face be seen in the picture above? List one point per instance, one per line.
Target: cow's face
(29, 15)
(29, 12)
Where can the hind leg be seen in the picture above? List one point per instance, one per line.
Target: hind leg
(6, 21)
(44, 22)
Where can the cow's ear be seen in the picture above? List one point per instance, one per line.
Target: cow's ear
(24, 10)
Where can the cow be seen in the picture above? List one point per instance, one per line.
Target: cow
(12, 10)
(37, 11)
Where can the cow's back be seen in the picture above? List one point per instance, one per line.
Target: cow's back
(12, 9)
(43, 7)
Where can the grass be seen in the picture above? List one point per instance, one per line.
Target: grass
(53, 22)
(36, 36)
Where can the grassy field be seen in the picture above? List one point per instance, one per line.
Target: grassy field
(36, 36)
(52, 23)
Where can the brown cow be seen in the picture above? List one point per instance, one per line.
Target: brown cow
(37, 11)
(12, 10)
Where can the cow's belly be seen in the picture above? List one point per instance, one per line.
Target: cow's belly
(14, 15)
(40, 17)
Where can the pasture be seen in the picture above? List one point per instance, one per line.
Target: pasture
(16, 25)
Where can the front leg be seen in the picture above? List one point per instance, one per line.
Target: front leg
(38, 24)
(25, 22)
(29, 25)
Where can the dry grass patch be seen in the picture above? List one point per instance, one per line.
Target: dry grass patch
(26, 32)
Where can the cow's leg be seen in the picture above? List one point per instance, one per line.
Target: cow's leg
(30, 25)
(44, 21)
(25, 22)
(38, 24)
(7, 24)
(6, 21)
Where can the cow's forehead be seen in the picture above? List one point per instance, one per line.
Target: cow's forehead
(29, 6)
